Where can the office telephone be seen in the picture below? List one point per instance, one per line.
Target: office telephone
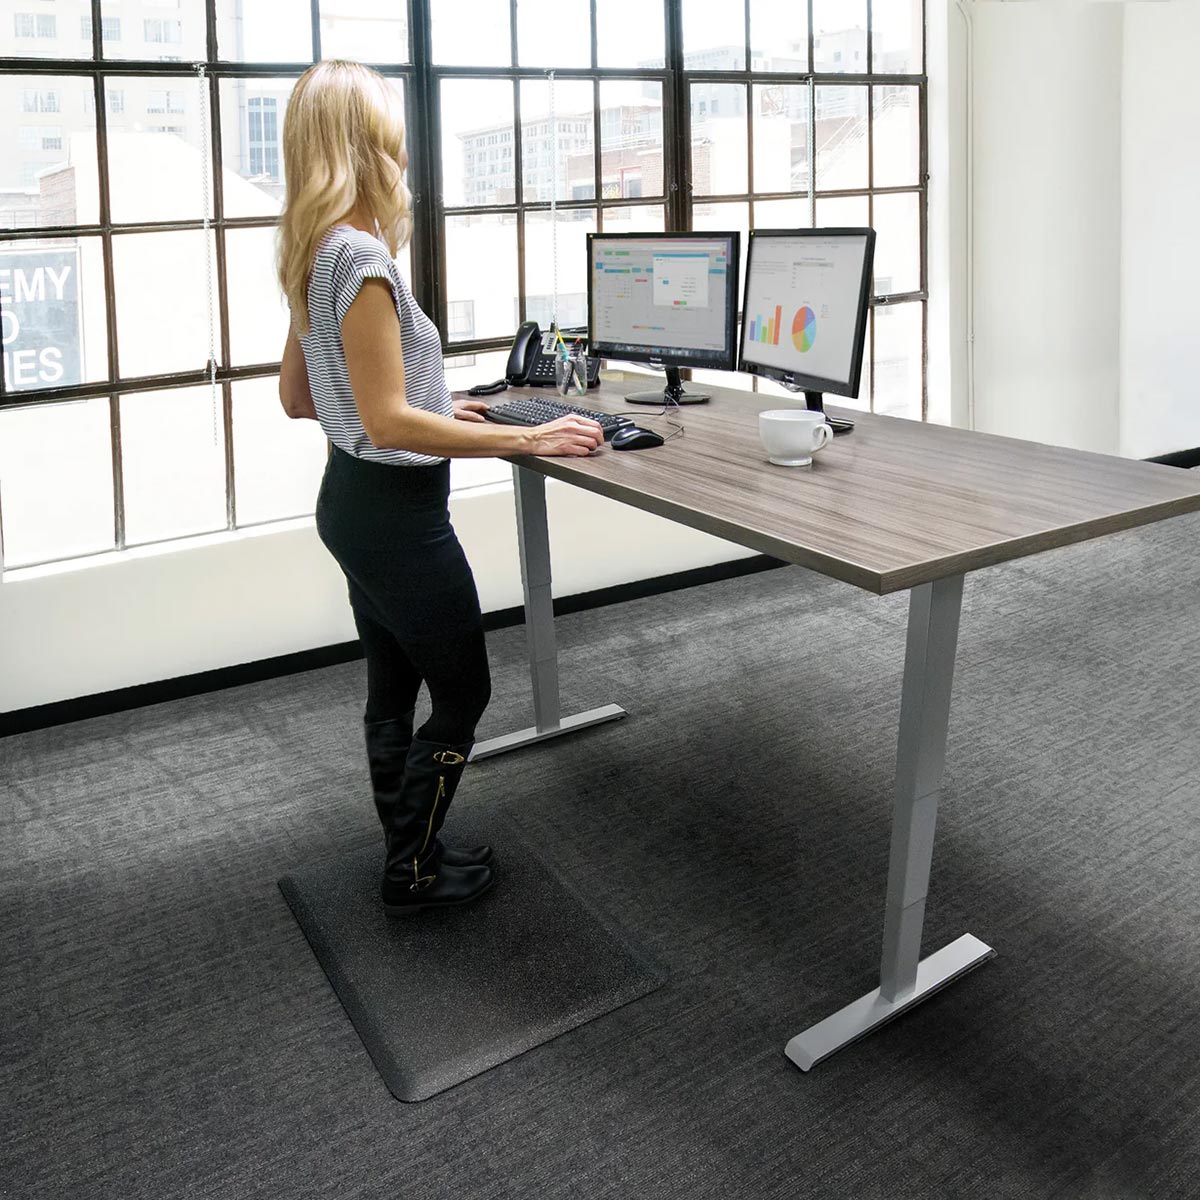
(531, 359)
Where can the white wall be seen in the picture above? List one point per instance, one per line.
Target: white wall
(1047, 221)
(234, 598)
(1160, 230)
(1086, 185)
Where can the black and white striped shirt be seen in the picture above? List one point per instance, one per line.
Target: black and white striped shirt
(345, 257)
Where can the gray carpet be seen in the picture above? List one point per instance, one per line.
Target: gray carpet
(167, 1032)
(440, 999)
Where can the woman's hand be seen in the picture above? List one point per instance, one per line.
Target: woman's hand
(467, 409)
(573, 435)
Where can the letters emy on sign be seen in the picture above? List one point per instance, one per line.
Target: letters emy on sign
(40, 330)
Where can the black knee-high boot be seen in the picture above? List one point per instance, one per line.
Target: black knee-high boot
(416, 875)
(388, 742)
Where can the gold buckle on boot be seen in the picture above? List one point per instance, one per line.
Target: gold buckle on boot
(448, 758)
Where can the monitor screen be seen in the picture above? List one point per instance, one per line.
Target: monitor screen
(804, 317)
(667, 297)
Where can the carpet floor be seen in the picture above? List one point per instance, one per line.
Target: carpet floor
(165, 1030)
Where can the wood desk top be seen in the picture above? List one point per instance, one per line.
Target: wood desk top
(894, 504)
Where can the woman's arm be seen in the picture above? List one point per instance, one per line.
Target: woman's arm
(293, 381)
(375, 362)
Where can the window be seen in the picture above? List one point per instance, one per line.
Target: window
(263, 136)
(33, 100)
(162, 31)
(110, 29)
(772, 134)
(35, 25)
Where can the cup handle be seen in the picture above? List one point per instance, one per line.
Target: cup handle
(826, 436)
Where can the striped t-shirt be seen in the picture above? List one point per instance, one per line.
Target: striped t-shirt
(345, 257)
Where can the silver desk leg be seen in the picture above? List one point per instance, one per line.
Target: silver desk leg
(533, 541)
(905, 978)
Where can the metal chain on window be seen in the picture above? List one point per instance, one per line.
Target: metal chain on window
(206, 184)
(554, 193)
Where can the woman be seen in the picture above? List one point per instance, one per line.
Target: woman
(366, 362)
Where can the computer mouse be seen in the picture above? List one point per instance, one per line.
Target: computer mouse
(633, 437)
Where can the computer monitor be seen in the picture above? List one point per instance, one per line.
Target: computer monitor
(804, 316)
(664, 298)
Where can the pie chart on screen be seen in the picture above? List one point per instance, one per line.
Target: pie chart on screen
(804, 329)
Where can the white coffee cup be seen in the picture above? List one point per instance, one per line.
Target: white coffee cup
(793, 435)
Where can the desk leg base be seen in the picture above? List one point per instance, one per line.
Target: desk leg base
(526, 737)
(870, 1011)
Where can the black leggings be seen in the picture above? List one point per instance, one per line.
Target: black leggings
(411, 591)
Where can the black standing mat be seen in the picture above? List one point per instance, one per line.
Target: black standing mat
(439, 996)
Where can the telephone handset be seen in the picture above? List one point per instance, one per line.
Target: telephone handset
(531, 359)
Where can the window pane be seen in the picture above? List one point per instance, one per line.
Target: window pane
(258, 316)
(168, 34)
(481, 267)
(53, 329)
(631, 139)
(554, 33)
(630, 33)
(252, 112)
(56, 485)
(898, 360)
(365, 30)
(48, 168)
(863, 400)
(837, 211)
(461, 373)
(174, 475)
(466, 370)
(563, 144)
(781, 214)
(722, 218)
(43, 29)
(896, 143)
(737, 380)
(896, 26)
(714, 36)
(840, 35)
(155, 151)
(162, 304)
(719, 138)
(265, 31)
(471, 33)
(778, 35)
(841, 138)
(780, 138)
(478, 156)
(278, 462)
(572, 229)
(640, 218)
(897, 243)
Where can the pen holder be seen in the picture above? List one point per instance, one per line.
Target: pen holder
(570, 374)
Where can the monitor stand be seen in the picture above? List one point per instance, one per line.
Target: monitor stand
(673, 393)
(816, 403)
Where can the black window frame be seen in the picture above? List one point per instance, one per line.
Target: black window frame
(421, 78)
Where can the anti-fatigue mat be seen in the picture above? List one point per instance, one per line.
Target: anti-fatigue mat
(439, 996)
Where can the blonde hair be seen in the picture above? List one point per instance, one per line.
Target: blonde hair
(343, 149)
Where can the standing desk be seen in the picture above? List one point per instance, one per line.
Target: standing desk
(895, 506)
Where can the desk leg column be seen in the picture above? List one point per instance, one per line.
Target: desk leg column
(905, 979)
(533, 544)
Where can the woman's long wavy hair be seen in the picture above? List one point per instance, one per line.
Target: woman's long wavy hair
(343, 149)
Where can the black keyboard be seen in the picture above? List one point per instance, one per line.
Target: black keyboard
(539, 412)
